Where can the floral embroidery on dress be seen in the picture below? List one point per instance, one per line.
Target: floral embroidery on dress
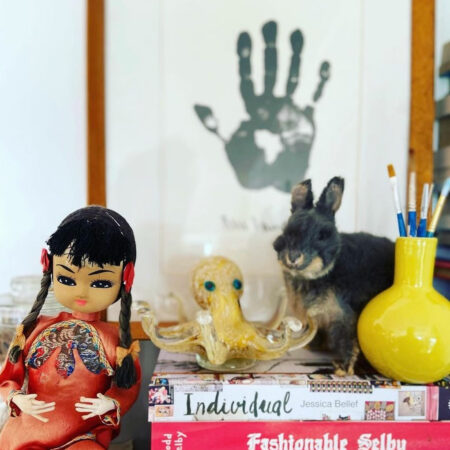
(69, 335)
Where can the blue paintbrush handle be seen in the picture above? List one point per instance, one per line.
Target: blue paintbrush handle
(401, 225)
(412, 219)
(422, 230)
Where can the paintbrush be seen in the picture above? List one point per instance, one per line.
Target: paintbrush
(421, 231)
(430, 199)
(398, 210)
(439, 207)
(412, 217)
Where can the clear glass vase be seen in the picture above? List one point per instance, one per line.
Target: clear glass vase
(10, 317)
(24, 288)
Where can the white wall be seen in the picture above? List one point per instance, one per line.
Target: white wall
(134, 110)
(42, 126)
(385, 97)
(132, 129)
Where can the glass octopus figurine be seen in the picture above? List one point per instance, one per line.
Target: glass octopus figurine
(220, 336)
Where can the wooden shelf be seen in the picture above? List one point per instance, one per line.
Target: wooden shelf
(137, 331)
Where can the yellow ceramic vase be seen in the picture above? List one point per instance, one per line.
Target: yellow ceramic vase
(404, 332)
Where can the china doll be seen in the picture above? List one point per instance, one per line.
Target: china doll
(68, 379)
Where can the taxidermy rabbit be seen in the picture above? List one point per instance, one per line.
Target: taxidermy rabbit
(330, 276)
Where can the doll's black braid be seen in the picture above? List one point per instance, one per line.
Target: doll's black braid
(125, 375)
(124, 318)
(30, 320)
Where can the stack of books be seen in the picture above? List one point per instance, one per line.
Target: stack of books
(292, 403)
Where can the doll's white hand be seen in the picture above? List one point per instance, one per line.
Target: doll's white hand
(94, 406)
(29, 405)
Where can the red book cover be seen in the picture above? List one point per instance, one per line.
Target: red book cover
(442, 263)
(300, 436)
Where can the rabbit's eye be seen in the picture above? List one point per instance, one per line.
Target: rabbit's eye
(324, 234)
(279, 243)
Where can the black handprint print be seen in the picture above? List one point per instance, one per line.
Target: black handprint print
(293, 125)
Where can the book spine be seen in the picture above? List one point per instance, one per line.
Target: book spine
(346, 400)
(444, 404)
(299, 435)
(442, 263)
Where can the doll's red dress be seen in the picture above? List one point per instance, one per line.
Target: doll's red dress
(65, 357)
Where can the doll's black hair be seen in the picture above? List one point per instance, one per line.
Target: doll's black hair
(101, 236)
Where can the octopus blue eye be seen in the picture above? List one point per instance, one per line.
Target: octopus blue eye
(237, 284)
(209, 286)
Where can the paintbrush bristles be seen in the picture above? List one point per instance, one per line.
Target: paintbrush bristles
(430, 198)
(424, 203)
(412, 191)
(446, 188)
(412, 181)
(391, 170)
(439, 207)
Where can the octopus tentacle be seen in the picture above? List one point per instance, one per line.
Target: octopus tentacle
(182, 317)
(275, 321)
(285, 339)
(280, 312)
(183, 329)
(216, 351)
(182, 338)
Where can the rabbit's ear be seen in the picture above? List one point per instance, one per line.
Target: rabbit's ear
(302, 196)
(331, 197)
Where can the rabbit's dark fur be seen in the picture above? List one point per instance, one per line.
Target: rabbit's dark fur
(330, 275)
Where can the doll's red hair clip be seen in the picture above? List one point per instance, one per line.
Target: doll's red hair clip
(45, 260)
(128, 276)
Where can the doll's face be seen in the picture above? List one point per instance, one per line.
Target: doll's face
(89, 288)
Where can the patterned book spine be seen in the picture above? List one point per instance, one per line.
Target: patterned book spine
(287, 397)
(299, 436)
(351, 386)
